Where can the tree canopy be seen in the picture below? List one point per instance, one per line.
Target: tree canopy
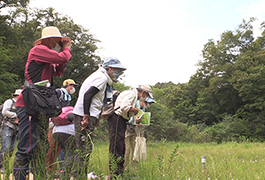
(223, 100)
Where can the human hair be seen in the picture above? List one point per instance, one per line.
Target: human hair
(140, 89)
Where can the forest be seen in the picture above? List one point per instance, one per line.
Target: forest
(223, 101)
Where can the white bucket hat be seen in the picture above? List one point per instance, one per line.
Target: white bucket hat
(50, 32)
(17, 92)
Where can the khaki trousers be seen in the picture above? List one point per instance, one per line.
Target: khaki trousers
(130, 138)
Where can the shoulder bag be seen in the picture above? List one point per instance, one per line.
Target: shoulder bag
(41, 99)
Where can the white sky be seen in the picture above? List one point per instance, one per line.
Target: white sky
(156, 40)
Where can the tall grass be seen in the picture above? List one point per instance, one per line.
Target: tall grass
(182, 161)
(169, 160)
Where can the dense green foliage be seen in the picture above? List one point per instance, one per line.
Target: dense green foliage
(22, 27)
(223, 100)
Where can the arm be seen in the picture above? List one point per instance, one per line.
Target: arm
(133, 110)
(42, 53)
(6, 109)
(92, 91)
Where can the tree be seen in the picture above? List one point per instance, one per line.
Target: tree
(7, 79)
(23, 26)
(13, 3)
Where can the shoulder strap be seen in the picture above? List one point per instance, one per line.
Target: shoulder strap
(1, 107)
(61, 96)
(12, 101)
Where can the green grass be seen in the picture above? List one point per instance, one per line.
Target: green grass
(181, 161)
(168, 160)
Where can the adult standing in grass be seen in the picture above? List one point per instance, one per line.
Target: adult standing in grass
(64, 94)
(9, 129)
(126, 108)
(95, 92)
(46, 59)
(64, 135)
(130, 134)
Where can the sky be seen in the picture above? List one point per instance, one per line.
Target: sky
(158, 41)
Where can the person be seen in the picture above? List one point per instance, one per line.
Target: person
(45, 60)
(125, 106)
(64, 135)
(64, 94)
(9, 128)
(95, 92)
(131, 133)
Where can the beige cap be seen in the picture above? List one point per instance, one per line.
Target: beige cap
(69, 81)
(147, 89)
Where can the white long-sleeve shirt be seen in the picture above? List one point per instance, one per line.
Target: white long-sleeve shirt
(7, 111)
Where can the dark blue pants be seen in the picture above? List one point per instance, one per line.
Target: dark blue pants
(32, 145)
(8, 139)
(61, 159)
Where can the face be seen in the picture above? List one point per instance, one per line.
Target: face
(114, 73)
(143, 95)
(15, 97)
(72, 89)
(110, 72)
(143, 104)
(51, 42)
(55, 41)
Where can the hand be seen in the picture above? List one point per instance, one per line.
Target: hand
(66, 44)
(140, 124)
(138, 120)
(85, 121)
(16, 121)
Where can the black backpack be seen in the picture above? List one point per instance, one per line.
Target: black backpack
(61, 95)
